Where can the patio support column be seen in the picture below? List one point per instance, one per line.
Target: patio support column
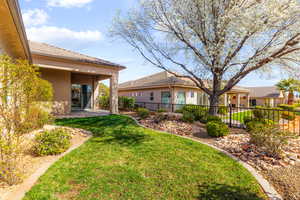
(96, 94)
(248, 100)
(238, 99)
(225, 99)
(114, 93)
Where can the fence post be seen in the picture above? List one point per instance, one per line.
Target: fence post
(230, 116)
(172, 105)
(144, 104)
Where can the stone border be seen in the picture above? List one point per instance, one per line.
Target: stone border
(20, 190)
(266, 186)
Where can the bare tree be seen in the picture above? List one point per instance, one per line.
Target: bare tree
(217, 40)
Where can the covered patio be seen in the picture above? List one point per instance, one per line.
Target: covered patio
(75, 78)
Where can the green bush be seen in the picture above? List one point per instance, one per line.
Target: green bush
(266, 113)
(271, 137)
(287, 107)
(179, 111)
(199, 112)
(143, 113)
(188, 117)
(248, 119)
(52, 142)
(161, 110)
(217, 129)
(288, 115)
(126, 103)
(211, 118)
(160, 117)
(104, 102)
(223, 110)
(254, 122)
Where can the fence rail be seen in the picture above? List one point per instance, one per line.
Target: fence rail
(234, 116)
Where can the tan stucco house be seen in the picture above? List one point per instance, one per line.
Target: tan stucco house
(266, 96)
(165, 88)
(74, 77)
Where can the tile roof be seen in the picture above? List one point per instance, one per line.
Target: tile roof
(162, 79)
(264, 92)
(53, 51)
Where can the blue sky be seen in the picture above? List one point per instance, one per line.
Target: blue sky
(83, 25)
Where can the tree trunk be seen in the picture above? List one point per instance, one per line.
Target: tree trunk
(215, 96)
(214, 103)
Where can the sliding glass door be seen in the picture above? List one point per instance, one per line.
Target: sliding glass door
(81, 97)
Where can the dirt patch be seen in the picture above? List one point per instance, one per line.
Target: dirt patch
(31, 164)
(73, 192)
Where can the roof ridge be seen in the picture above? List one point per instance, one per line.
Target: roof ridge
(80, 56)
(71, 51)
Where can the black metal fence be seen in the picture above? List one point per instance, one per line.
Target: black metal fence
(288, 120)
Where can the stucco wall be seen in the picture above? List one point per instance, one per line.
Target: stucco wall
(61, 83)
(144, 95)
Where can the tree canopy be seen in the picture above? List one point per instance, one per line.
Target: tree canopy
(221, 41)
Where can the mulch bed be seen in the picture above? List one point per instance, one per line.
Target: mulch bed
(283, 173)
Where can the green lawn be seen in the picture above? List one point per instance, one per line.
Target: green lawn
(240, 115)
(124, 161)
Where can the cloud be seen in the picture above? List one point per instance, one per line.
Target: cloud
(53, 34)
(35, 17)
(68, 3)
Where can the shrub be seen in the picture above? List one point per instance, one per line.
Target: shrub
(126, 103)
(104, 102)
(52, 142)
(223, 110)
(254, 122)
(248, 119)
(143, 113)
(211, 118)
(161, 110)
(160, 117)
(179, 111)
(288, 115)
(266, 113)
(188, 117)
(217, 129)
(199, 112)
(22, 94)
(271, 138)
(287, 107)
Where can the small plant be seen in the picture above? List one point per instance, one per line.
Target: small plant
(188, 117)
(223, 110)
(160, 117)
(143, 113)
(271, 138)
(179, 111)
(161, 110)
(288, 115)
(217, 129)
(126, 103)
(287, 107)
(254, 122)
(211, 118)
(52, 142)
(104, 102)
(266, 113)
(199, 112)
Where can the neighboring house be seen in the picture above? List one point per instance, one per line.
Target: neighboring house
(266, 96)
(165, 88)
(74, 77)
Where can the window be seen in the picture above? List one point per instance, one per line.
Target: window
(192, 94)
(151, 96)
(140, 94)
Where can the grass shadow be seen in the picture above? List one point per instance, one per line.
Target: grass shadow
(126, 136)
(225, 192)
